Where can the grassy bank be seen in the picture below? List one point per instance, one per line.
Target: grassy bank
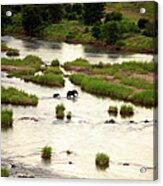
(131, 81)
(17, 97)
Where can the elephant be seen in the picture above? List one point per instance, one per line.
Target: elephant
(72, 94)
(56, 95)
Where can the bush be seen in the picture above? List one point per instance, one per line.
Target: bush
(12, 52)
(4, 172)
(70, 35)
(142, 22)
(59, 110)
(51, 70)
(69, 115)
(102, 160)
(120, 44)
(113, 16)
(6, 118)
(113, 110)
(77, 78)
(46, 152)
(17, 97)
(126, 110)
(55, 63)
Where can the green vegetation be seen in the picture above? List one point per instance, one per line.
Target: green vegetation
(59, 110)
(55, 63)
(4, 47)
(113, 79)
(79, 62)
(47, 80)
(30, 61)
(116, 24)
(69, 115)
(145, 97)
(77, 78)
(12, 52)
(46, 152)
(99, 86)
(17, 97)
(126, 110)
(137, 82)
(102, 161)
(21, 73)
(113, 110)
(51, 70)
(6, 118)
(4, 172)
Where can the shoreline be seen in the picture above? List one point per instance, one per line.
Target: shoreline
(96, 43)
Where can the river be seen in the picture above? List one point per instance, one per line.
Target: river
(86, 134)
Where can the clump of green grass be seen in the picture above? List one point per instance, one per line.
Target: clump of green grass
(113, 110)
(77, 78)
(17, 97)
(79, 62)
(137, 82)
(55, 63)
(102, 161)
(6, 118)
(21, 73)
(145, 97)
(118, 76)
(29, 61)
(99, 86)
(48, 80)
(126, 110)
(4, 172)
(59, 110)
(46, 152)
(109, 71)
(4, 47)
(69, 115)
(12, 52)
(51, 70)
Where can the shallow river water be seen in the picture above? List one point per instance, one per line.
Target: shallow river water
(86, 134)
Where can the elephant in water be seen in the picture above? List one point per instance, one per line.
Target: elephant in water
(72, 94)
(56, 95)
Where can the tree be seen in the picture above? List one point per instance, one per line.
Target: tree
(96, 31)
(31, 19)
(93, 12)
(142, 22)
(112, 32)
(113, 16)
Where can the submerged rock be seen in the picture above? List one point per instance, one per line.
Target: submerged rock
(126, 164)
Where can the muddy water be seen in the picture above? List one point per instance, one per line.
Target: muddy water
(85, 135)
(68, 52)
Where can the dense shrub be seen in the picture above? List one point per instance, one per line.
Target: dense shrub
(142, 22)
(55, 63)
(59, 110)
(46, 152)
(102, 161)
(4, 172)
(6, 118)
(113, 110)
(113, 16)
(126, 110)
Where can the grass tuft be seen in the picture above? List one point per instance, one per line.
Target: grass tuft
(102, 161)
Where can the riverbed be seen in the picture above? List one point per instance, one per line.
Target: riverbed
(127, 143)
